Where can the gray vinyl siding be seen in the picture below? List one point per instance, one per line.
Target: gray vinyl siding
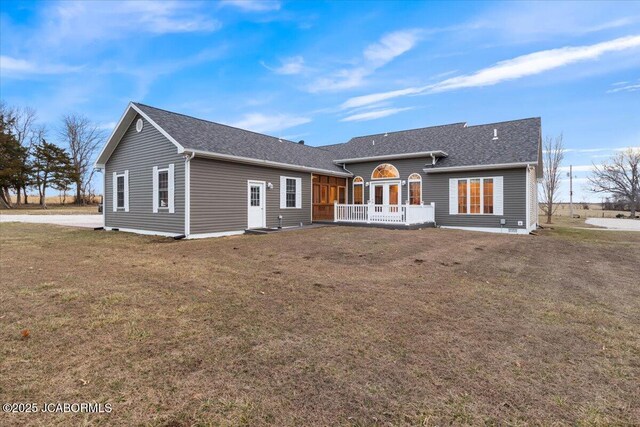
(514, 195)
(435, 188)
(219, 196)
(139, 153)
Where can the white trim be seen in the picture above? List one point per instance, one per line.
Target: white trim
(409, 181)
(386, 177)
(171, 189)
(393, 156)
(499, 230)
(187, 195)
(263, 197)
(266, 163)
(114, 192)
(145, 232)
(209, 235)
(114, 140)
(154, 187)
(162, 131)
(526, 183)
(104, 197)
(114, 196)
(353, 190)
(126, 190)
(478, 167)
(283, 192)
(385, 184)
(498, 202)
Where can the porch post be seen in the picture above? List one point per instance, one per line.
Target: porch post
(369, 209)
(335, 211)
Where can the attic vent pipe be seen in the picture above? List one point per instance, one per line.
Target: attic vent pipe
(301, 142)
(495, 134)
(373, 142)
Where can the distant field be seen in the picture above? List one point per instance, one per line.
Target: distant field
(337, 326)
(593, 211)
(52, 209)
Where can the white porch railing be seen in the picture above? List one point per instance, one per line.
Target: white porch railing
(385, 214)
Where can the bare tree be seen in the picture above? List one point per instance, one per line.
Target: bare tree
(620, 177)
(553, 154)
(83, 139)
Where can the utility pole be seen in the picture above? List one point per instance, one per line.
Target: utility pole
(571, 191)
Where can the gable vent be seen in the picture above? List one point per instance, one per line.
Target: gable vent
(495, 134)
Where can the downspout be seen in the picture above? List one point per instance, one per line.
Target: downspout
(348, 171)
(187, 193)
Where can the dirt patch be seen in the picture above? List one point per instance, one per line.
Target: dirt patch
(330, 326)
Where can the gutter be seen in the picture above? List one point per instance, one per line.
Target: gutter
(433, 154)
(266, 163)
(479, 167)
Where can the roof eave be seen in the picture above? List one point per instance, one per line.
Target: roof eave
(266, 163)
(436, 153)
(480, 167)
(121, 128)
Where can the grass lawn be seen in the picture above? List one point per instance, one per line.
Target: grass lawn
(328, 326)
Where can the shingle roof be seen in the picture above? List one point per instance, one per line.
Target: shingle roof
(203, 135)
(518, 141)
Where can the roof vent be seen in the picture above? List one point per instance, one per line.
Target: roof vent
(301, 142)
(386, 134)
(495, 134)
(373, 142)
(279, 139)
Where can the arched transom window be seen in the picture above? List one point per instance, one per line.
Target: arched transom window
(358, 190)
(415, 189)
(385, 171)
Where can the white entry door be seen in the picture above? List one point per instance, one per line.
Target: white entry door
(386, 198)
(256, 205)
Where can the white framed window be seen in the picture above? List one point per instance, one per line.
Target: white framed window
(358, 190)
(415, 189)
(121, 191)
(476, 196)
(290, 192)
(163, 189)
(385, 171)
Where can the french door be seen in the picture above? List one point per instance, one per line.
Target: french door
(386, 197)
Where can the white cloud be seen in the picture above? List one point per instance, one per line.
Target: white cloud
(391, 46)
(372, 115)
(14, 67)
(252, 5)
(376, 55)
(259, 122)
(84, 23)
(288, 66)
(625, 87)
(519, 67)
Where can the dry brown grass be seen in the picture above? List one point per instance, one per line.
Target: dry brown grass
(329, 326)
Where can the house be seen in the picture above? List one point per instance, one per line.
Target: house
(170, 174)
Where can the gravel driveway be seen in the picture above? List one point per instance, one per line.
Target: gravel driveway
(89, 221)
(615, 223)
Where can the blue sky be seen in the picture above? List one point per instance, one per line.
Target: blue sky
(325, 72)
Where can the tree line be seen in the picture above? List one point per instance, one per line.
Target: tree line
(29, 160)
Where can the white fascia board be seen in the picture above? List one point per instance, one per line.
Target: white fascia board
(478, 167)
(120, 129)
(437, 153)
(266, 163)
